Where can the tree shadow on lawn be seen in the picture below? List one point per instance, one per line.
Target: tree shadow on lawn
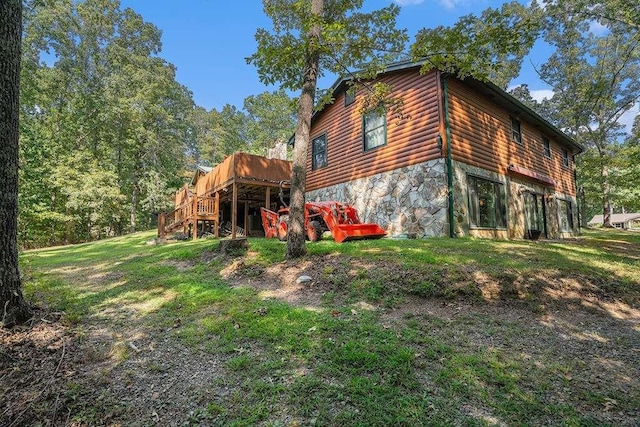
(580, 313)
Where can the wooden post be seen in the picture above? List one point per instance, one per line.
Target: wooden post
(216, 211)
(267, 197)
(234, 210)
(161, 223)
(246, 219)
(195, 217)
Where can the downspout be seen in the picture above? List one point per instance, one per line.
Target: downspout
(445, 97)
(579, 198)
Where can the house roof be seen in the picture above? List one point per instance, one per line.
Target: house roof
(200, 170)
(616, 218)
(498, 95)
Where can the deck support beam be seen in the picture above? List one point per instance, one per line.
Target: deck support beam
(234, 210)
(161, 225)
(216, 212)
(194, 229)
(246, 219)
(267, 198)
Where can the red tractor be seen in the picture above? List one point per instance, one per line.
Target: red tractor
(340, 219)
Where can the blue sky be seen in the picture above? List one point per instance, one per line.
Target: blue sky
(208, 41)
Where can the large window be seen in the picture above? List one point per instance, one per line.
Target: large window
(374, 125)
(546, 147)
(516, 134)
(487, 204)
(319, 152)
(565, 215)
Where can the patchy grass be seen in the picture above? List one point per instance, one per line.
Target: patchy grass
(389, 332)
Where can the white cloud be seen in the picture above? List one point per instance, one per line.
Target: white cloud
(541, 94)
(408, 2)
(451, 4)
(597, 28)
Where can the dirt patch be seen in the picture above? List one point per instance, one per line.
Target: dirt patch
(36, 361)
(54, 374)
(387, 284)
(182, 265)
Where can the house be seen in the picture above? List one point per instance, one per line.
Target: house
(621, 220)
(200, 171)
(461, 158)
(229, 194)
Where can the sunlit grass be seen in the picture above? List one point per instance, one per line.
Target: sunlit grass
(345, 366)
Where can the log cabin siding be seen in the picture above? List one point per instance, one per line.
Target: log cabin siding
(481, 137)
(410, 140)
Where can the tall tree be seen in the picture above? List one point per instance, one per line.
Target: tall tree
(311, 37)
(272, 119)
(104, 122)
(14, 308)
(490, 46)
(596, 80)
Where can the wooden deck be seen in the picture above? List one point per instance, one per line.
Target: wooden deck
(240, 183)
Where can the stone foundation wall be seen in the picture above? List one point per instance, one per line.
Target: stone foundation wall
(406, 202)
(412, 201)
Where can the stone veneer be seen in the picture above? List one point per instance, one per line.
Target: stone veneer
(406, 202)
(515, 188)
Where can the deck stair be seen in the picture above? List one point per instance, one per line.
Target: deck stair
(194, 212)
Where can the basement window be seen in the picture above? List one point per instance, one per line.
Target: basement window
(319, 152)
(487, 203)
(374, 129)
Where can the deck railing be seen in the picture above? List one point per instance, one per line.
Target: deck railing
(206, 205)
(183, 214)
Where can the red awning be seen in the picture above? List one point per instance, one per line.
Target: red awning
(544, 179)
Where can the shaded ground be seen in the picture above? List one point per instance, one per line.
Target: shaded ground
(118, 368)
(53, 374)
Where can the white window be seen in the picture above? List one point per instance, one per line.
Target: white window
(374, 129)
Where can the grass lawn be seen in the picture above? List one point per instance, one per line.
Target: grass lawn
(388, 332)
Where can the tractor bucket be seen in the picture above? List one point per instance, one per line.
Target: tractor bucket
(345, 232)
(269, 223)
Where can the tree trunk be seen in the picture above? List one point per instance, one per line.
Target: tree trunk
(607, 209)
(582, 199)
(296, 237)
(13, 307)
(134, 205)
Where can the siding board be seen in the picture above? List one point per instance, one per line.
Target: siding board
(481, 136)
(409, 141)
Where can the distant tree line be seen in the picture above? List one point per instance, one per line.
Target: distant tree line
(107, 134)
